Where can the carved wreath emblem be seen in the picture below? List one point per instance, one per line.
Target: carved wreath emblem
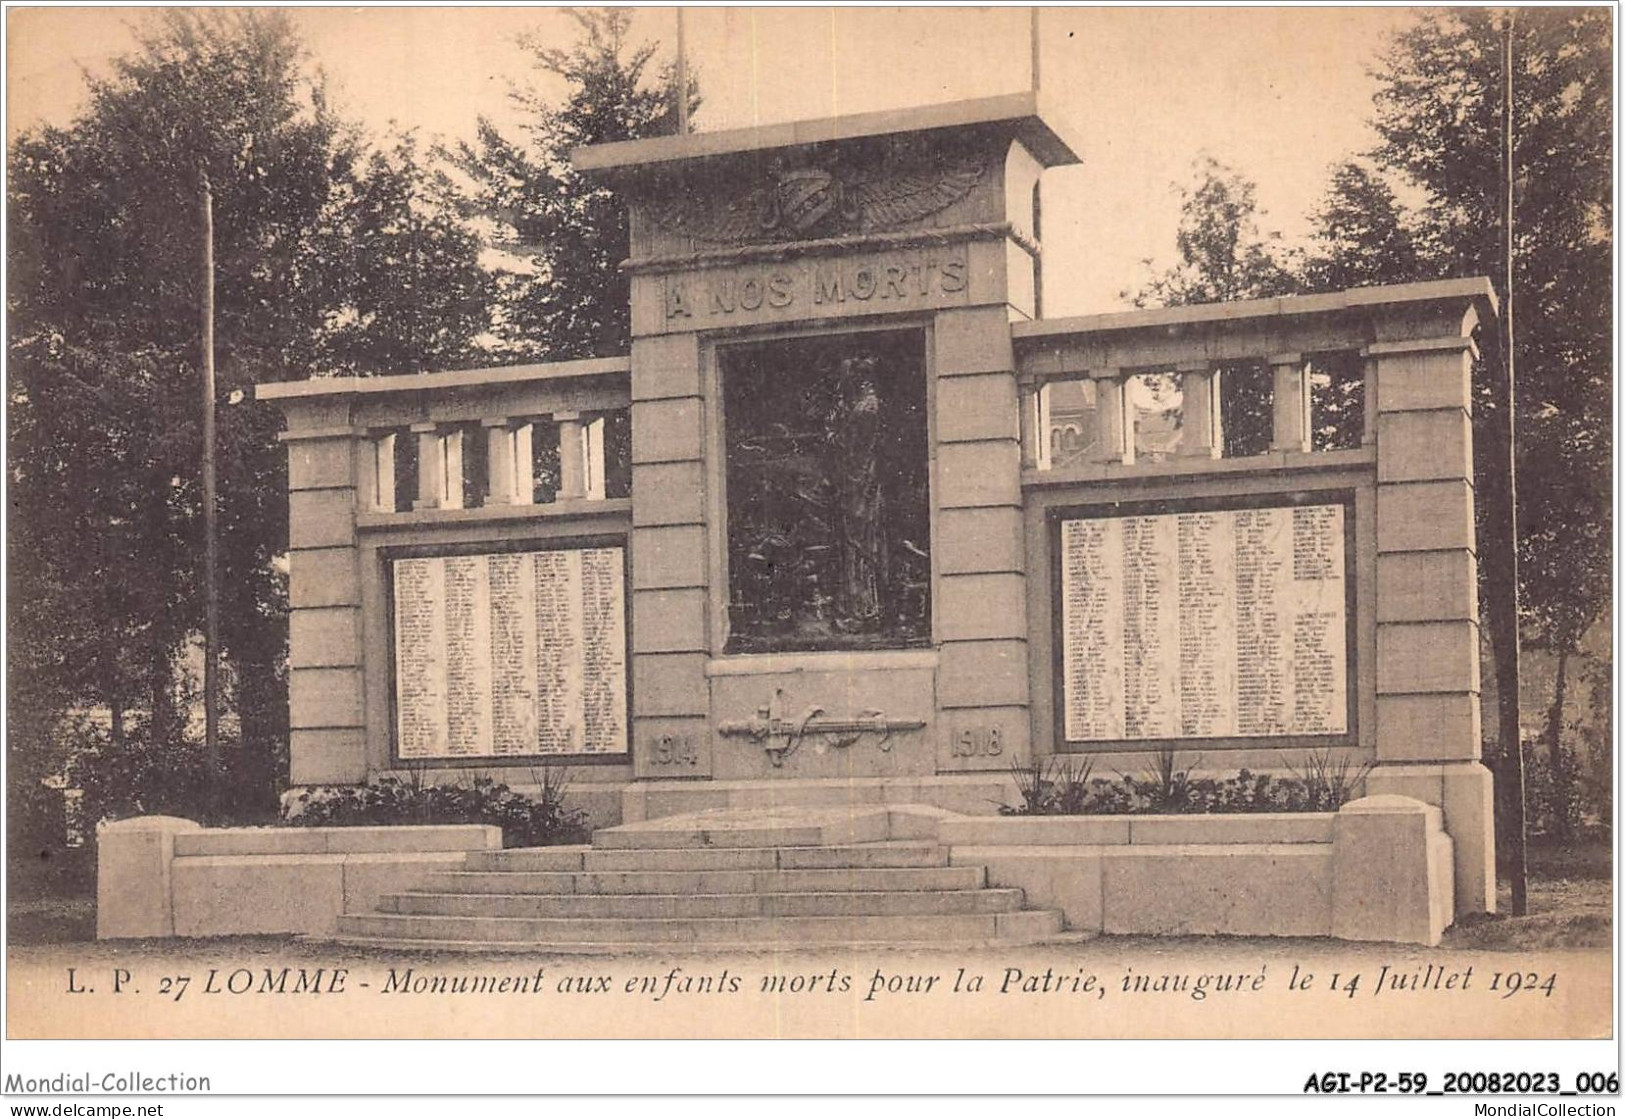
(781, 735)
(798, 202)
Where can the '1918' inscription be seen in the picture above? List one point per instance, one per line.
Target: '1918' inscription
(828, 285)
(978, 742)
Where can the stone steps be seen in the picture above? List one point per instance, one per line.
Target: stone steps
(1021, 926)
(706, 881)
(764, 828)
(875, 903)
(766, 878)
(875, 855)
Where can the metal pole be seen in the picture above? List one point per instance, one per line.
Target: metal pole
(1508, 680)
(682, 78)
(211, 603)
(1035, 51)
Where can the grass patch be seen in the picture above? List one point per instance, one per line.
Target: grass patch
(60, 920)
(1571, 903)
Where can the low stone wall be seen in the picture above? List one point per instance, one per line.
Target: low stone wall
(1380, 869)
(165, 876)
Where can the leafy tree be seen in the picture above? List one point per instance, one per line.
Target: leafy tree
(1440, 119)
(318, 260)
(415, 296)
(105, 433)
(563, 294)
(1224, 256)
(1363, 236)
(1222, 253)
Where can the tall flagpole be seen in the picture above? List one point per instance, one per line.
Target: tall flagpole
(211, 598)
(1038, 217)
(1035, 51)
(1508, 683)
(682, 78)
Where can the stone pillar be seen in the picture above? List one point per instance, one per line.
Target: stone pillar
(1293, 427)
(1428, 730)
(980, 594)
(383, 472)
(524, 462)
(572, 456)
(508, 463)
(1035, 448)
(1368, 367)
(501, 466)
(451, 447)
(1116, 425)
(1198, 387)
(592, 451)
(431, 466)
(671, 736)
(327, 739)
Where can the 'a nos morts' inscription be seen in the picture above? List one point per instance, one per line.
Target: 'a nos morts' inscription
(778, 290)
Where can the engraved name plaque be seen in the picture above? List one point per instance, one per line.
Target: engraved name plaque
(1219, 624)
(510, 654)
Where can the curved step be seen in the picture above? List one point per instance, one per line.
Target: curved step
(622, 947)
(760, 827)
(403, 929)
(873, 855)
(707, 881)
(655, 906)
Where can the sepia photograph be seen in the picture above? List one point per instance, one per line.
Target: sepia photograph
(812, 524)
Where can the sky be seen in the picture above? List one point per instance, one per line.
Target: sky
(1281, 94)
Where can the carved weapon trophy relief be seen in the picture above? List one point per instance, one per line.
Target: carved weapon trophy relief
(780, 736)
(801, 202)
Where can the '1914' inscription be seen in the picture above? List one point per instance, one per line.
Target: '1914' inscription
(827, 285)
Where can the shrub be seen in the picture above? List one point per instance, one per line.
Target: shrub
(1552, 807)
(1053, 788)
(526, 821)
(138, 776)
(1164, 787)
(1329, 779)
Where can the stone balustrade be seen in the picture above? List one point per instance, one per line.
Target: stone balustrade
(1365, 393)
(381, 464)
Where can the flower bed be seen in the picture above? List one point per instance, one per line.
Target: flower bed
(1061, 787)
(526, 821)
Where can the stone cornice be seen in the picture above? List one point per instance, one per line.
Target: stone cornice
(439, 382)
(857, 242)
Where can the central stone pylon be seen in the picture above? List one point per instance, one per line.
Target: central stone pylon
(868, 267)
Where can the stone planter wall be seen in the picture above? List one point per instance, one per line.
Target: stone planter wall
(1380, 869)
(165, 876)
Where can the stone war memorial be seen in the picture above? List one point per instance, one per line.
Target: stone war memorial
(854, 538)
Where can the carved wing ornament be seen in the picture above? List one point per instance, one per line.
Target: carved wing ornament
(899, 199)
(792, 203)
(740, 218)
